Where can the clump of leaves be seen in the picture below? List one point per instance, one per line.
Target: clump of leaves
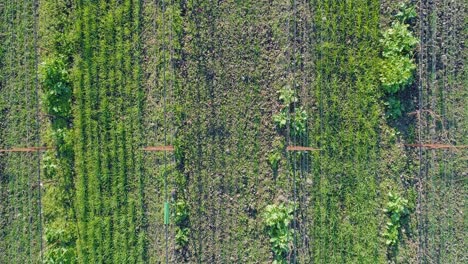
(297, 119)
(299, 122)
(274, 159)
(398, 40)
(396, 73)
(394, 107)
(396, 209)
(62, 251)
(277, 220)
(397, 65)
(406, 13)
(181, 219)
(56, 86)
(287, 95)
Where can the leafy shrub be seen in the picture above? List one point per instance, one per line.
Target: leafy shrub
(287, 95)
(398, 40)
(299, 122)
(396, 209)
(297, 119)
(274, 159)
(397, 65)
(394, 108)
(281, 119)
(181, 218)
(56, 86)
(396, 73)
(277, 220)
(62, 250)
(406, 13)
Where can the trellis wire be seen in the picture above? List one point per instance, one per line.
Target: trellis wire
(166, 230)
(38, 139)
(419, 199)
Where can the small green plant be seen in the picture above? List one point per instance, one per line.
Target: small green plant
(297, 119)
(406, 13)
(181, 219)
(281, 119)
(61, 250)
(398, 40)
(299, 122)
(394, 107)
(396, 209)
(277, 220)
(56, 87)
(396, 73)
(287, 95)
(274, 160)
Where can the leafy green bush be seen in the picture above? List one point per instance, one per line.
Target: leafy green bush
(299, 122)
(277, 220)
(406, 13)
(394, 107)
(396, 73)
(56, 86)
(281, 119)
(398, 40)
(61, 247)
(181, 218)
(287, 95)
(274, 159)
(396, 209)
(297, 119)
(397, 65)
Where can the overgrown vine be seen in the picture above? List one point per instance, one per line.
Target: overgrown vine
(397, 209)
(397, 65)
(277, 220)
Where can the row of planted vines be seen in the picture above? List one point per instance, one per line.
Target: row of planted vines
(441, 119)
(346, 88)
(291, 131)
(20, 216)
(107, 128)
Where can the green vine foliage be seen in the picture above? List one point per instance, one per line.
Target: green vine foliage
(274, 159)
(397, 73)
(406, 13)
(297, 119)
(397, 65)
(60, 230)
(57, 91)
(61, 248)
(397, 210)
(398, 40)
(277, 220)
(181, 219)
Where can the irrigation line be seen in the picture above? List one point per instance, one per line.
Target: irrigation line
(15, 230)
(171, 96)
(451, 119)
(310, 87)
(28, 120)
(38, 139)
(320, 145)
(433, 131)
(305, 140)
(4, 204)
(199, 149)
(419, 198)
(19, 90)
(295, 134)
(166, 231)
(444, 188)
